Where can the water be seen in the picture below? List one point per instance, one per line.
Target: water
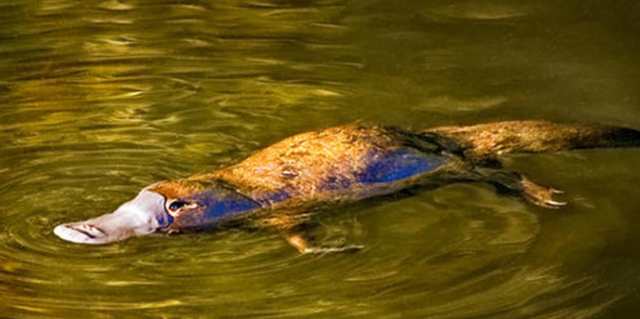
(101, 98)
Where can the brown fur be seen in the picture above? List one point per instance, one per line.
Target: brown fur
(303, 161)
(178, 188)
(489, 140)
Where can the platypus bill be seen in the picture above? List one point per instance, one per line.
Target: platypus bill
(278, 187)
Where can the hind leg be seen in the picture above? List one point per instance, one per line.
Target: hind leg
(540, 195)
(515, 183)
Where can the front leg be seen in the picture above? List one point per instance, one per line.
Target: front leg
(301, 241)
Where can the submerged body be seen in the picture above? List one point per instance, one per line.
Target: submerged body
(278, 186)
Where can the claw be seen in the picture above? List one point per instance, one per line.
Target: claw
(557, 191)
(555, 203)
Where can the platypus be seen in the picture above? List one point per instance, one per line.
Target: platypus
(280, 186)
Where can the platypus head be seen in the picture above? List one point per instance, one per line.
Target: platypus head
(161, 207)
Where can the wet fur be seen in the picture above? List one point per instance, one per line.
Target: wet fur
(493, 139)
(300, 167)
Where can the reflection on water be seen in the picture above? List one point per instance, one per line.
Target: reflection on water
(101, 98)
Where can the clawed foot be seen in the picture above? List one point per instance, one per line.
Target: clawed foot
(541, 195)
(299, 242)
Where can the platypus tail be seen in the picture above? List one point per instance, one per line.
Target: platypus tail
(492, 139)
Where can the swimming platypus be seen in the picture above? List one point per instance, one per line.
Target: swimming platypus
(281, 185)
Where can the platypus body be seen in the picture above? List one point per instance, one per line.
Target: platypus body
(279, 186)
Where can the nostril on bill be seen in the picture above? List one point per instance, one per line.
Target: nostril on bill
(80, 233)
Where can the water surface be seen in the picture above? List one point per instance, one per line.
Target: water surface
(101, 98)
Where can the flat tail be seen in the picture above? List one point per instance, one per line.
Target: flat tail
(499, 138)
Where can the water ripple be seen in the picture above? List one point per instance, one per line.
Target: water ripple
(100, 99)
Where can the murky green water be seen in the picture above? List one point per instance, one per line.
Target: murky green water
(101, 98)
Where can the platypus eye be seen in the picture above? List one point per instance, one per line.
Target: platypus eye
(177, 204)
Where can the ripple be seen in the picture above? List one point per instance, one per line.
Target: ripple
(447, 104)
(478, 10)
(101, 99)
(455, 246)
(116, 5)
